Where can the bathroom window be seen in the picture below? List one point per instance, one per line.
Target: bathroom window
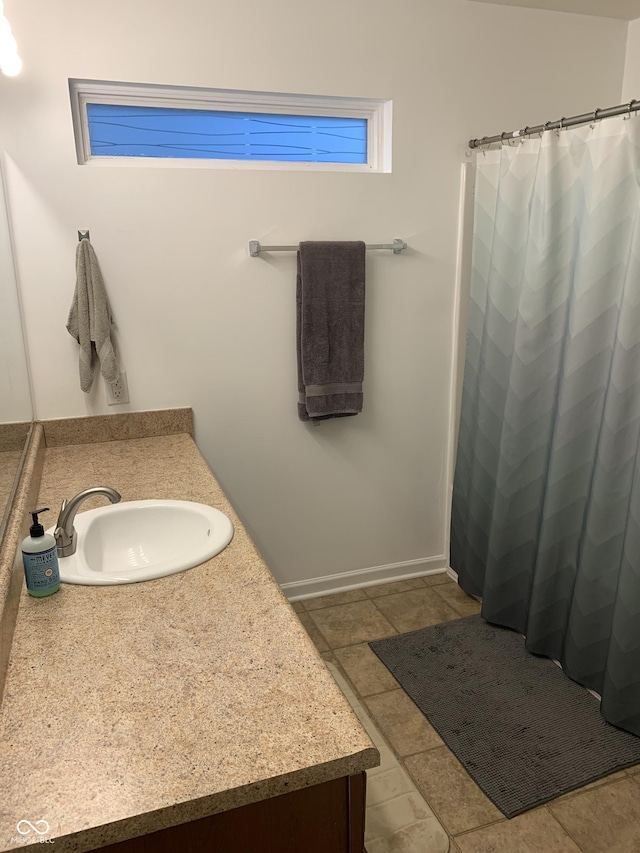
(126, 124)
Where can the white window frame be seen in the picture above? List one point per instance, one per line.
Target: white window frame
(377, 113)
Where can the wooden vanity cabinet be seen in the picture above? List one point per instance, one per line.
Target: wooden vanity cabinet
(325, 818)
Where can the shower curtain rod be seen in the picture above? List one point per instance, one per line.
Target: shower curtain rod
(585, 118)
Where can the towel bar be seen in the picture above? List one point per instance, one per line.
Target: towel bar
(255, 248)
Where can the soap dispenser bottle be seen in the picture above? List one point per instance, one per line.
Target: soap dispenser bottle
(40, 559)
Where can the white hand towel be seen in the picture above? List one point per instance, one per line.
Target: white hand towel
(90, 319)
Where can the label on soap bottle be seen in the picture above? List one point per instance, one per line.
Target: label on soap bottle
(41, 570)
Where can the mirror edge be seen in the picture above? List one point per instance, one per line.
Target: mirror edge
(17, 527)
(16, 480)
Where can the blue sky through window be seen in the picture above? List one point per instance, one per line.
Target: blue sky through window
(130, 131)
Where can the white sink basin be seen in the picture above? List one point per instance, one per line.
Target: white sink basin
(143, 540)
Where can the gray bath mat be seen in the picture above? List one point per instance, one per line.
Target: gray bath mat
(521, 728)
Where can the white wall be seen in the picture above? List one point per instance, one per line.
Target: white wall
(201, 323)
(631, 81)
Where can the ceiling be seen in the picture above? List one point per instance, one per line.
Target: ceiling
(628, 10)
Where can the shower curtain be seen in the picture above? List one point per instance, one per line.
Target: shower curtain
(546, 500)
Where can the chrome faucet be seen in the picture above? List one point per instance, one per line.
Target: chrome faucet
(65, 533)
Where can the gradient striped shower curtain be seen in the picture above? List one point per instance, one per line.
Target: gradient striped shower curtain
(546, 500)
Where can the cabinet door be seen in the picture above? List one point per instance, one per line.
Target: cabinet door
(326, 818)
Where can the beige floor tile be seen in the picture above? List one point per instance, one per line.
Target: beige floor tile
(633, 770)
(404, 726)
(349, 624)
(366, 671)
(425, 836)
(329, 657)
(418, 608)
(298, 606)
(391, 815)
(531, 832)
(312, 630)
(334, 600)
(388, 785)
(396, 586)
(398, 819)
(436, 580)
(388, 761)
(465, 605)
(450, 791)
(605, 819)
(612, 777)
(404, 824)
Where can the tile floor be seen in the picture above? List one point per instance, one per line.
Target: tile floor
(397, 816)
(603, 817)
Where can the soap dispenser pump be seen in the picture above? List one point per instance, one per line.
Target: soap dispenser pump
(40, 559)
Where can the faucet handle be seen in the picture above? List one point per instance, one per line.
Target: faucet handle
(62, 509)
(65, 534)
(60, 534)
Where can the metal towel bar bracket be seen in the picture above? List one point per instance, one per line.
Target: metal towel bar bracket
(255, 248)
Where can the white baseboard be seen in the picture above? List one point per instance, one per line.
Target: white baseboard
(315, 587)
(452, 574)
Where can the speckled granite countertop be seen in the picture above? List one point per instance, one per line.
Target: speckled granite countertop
(131, 708)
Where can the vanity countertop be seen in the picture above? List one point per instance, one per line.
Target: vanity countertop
(132, 708)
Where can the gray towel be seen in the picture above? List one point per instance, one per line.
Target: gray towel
(90, 319)
(330, 329)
